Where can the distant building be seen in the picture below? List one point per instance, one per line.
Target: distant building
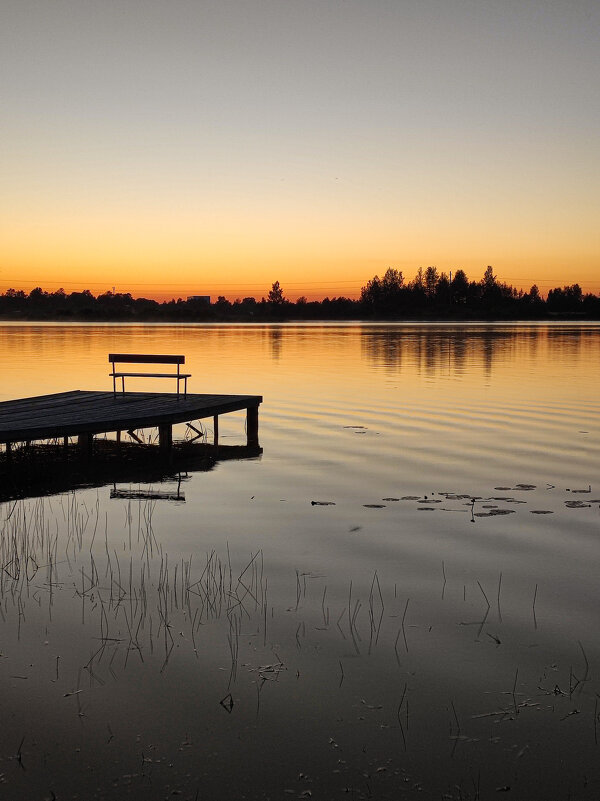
(199, 298)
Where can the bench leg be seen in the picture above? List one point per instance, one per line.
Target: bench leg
(216, 429)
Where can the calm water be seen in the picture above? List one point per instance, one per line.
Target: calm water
(398, 598)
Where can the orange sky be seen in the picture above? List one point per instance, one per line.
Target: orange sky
(177, 258)
(215, 149)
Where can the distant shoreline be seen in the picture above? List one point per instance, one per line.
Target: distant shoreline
(86, 318)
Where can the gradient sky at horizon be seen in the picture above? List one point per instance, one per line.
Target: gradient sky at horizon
(189, 147)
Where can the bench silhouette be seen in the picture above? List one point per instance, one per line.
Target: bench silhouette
(147, 358)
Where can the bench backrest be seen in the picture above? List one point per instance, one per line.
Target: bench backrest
(145, 358)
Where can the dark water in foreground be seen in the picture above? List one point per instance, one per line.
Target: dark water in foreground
(398, 599)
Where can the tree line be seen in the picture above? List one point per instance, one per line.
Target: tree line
(429, 295)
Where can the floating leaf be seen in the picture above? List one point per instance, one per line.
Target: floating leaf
(495, 512)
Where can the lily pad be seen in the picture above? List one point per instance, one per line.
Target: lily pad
(495, 512)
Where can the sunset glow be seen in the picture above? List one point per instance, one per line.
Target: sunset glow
(170, 150)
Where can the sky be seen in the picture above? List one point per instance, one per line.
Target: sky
(188, 147)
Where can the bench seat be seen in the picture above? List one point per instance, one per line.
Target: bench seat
(151, 375)
(147, 358)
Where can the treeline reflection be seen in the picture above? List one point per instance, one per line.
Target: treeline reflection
(432, 349)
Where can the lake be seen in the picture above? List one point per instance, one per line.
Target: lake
(398, 598)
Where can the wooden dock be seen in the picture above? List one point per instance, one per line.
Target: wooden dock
(83, 414)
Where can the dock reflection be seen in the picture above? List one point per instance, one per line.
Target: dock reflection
(42, 470)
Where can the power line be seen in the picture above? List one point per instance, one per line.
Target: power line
(542, 281)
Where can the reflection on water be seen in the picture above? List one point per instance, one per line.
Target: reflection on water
(455, 348)
(81, 350)
(398, 599)
(49, 469)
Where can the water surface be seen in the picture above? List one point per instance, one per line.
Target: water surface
(398, 597)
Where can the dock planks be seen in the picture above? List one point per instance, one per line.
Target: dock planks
(80, 412)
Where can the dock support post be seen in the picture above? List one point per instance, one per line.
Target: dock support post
(216, 429)
(85, 443)
(165, 439)
(8, 446)
(252, 425)
(118, 437)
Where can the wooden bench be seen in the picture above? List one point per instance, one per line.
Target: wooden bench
(146, 358)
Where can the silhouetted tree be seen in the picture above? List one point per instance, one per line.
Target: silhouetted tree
(489, 279)
(388, 297)
(419, 280)
(459, 287)
(370, 295)
(567, 299)
(491, 292)
(417, 290)
(442, 289)
(430, 281)
(384, 295)
(392, 281)
(223, 306)
(275, 295)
